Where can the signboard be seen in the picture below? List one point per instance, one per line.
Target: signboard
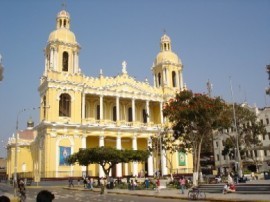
(64, 152)
(181, 159)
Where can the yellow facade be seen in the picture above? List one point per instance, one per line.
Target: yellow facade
(79, 111)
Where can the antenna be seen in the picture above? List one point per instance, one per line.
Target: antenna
(209, 88)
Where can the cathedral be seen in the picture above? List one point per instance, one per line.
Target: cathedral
(80, 111)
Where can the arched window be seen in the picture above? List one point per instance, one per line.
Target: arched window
(114, 114)
(173, 79)
(65, 23)
(159, 79)
(65, 105)
(65, 61)
(98, 112)
(129, 114)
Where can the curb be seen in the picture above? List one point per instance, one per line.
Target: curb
(168, 197)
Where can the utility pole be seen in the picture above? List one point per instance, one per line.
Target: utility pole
(267, 91)
(1, 69)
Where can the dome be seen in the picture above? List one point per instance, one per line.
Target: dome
(62, 32)
(165, 39)
(167, 56)
(63, 14)
(64, 35)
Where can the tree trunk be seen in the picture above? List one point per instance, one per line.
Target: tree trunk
(197, 163)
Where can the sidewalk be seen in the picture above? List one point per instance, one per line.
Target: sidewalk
(175, 194)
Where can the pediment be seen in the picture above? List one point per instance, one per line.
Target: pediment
(128, 87)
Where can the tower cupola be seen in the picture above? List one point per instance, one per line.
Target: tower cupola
(62, 50)
(167, 67)
(63, 20)
(165, 43)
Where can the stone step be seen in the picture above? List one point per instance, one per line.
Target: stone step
(240, 188)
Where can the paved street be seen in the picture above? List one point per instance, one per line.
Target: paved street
(78, 193)
(67, 195)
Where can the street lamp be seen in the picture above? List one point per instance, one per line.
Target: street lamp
(16, 148)
(238, 157)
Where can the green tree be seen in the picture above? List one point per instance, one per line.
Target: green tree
(193, 118)
(248, 131)
(107, 157)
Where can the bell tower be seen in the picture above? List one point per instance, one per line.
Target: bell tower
(167, 67)
(62, 50)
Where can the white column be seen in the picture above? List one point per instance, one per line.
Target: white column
(117, 109)
(119, 165)
(133, 110)
(51, 58)
(54, 58)
(178, 80)
(181, 80)
(46, 65)
(101, 144)
(126, 168)
(77, 61)
(150, 160)
(74, 61)
(147, 111)
(161, 113)
(101, 106)
(135, 164)
(83, 105)
(164, 170)
(83, 142)
(164, 77)
(154, 79)
(84, 147)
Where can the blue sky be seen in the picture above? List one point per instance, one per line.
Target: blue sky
(215, 39)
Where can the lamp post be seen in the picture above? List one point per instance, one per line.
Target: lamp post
(16, 148)
(238, 157)
(219, 153)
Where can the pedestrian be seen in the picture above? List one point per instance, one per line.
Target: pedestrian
(84, 183)
(45, 196)
(102, 185)
(4, 199)
(91, 181)
(158, 185)
(132, 187)
(146, 183)
(70, 182)
(22, 189)
(230, 180)
(182, 182)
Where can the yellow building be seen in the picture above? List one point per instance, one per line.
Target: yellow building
(79, 111)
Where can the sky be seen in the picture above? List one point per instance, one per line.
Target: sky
(224, 41)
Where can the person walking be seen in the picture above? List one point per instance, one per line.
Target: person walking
(158, 185)
(70, 182)
(103, 183)
(146, 183)
(182, 182)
